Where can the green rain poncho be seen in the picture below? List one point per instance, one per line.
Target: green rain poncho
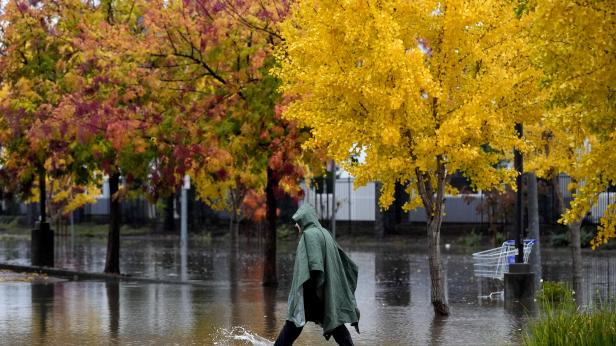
(334, 277)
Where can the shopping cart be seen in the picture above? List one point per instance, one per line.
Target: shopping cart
(494, 263)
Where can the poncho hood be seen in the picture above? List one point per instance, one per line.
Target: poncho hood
(336, 281)
(306, 216)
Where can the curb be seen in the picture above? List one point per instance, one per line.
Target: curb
(75, 275)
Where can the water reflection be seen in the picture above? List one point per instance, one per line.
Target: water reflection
(42, 309)
(518, 313)
(436, 330)
(269, 310)
(392, 278)
(183, 261)
(233, 285)
(113, 305)
(393, 294)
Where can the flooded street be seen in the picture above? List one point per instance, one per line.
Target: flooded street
(229, 306)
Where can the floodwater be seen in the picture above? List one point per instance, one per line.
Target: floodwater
(230, 307)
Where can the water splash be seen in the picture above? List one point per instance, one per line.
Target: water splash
(239, 336)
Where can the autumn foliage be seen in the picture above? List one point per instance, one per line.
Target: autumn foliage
(423, 88)
(248, 96)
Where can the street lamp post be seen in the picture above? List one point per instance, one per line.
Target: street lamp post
(519, 280)
(518, 163)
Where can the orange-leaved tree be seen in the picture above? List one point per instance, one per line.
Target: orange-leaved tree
(216, 57)
(37, 63)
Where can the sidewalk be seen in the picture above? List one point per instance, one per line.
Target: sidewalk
(23, 273)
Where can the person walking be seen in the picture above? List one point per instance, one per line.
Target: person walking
(323, 286)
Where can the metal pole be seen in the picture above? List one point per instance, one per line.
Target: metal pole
(334, 206)
(326, 199)
(316, 185)
(184, 211)
(482, 207)
(184, 229)
(349, 182)
(519, 212)
(43, 195)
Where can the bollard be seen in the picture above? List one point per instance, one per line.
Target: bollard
(42, 246)
(519, 284)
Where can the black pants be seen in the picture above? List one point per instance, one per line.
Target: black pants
(290, 332)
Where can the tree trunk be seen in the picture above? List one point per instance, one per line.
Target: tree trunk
(433, 204)
(169, 221)
(576, 257)
(379, 226)
(437, 293)
(236, 196)
(31, 214)
(43, 195)
(574, 244)
(269, 265)
(234, 226)
(112, 263)
(533, 226)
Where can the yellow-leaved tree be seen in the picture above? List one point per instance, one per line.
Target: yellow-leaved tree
(575, 46)
(424, 88)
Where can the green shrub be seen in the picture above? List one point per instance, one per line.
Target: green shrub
(559, 239)
(587, 233)
(286, 231)
(500, 237)
(555, 294)
(472, 239)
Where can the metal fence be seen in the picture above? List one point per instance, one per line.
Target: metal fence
(360, 204)
(598, 208)
(350, 204)
(481, 207)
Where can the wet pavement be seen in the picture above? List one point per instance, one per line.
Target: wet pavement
(233, 308)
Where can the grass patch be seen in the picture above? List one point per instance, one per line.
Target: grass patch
(562, 323)
(101, 230)
(13, 228)
(566, 327)
(10, 224)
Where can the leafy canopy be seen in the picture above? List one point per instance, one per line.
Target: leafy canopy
(419, 86)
